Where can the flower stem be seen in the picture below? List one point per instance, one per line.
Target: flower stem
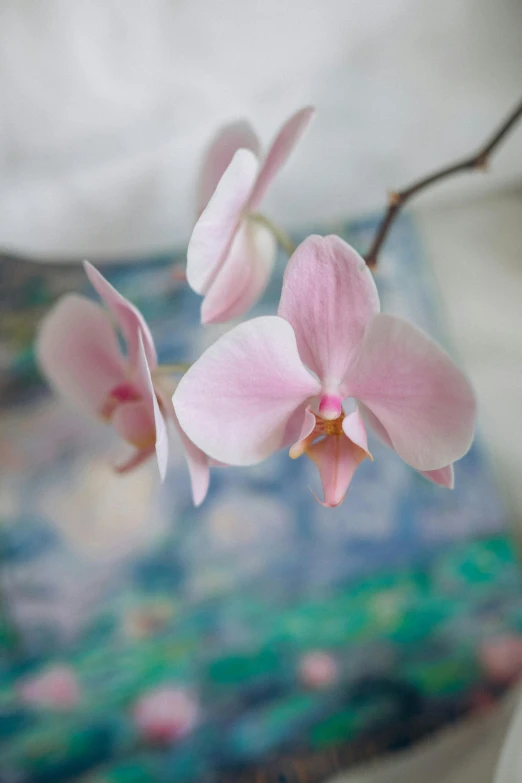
(478, 161)
(282, 238)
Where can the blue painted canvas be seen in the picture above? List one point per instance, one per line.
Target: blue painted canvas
(407, 594)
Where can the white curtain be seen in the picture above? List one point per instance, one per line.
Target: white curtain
(106, 105)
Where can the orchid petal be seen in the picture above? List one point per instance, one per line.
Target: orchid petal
(329, 296)
(243, 276)
(197, 461)
(134, 461)
(354, 429)
(444, 477)
(78, 351)
(129, 318)
(213, 233)
(237, 135)
(337, 459)
(373, 422)
(421, 398)
(143, 380)
(299, 430)
(134, 422)
(198, 465)
(235, 401)
(279, 152)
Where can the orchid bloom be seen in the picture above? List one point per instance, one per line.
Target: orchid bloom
(166, 714)
(79, 352)
(230, 255)
(57, 688)
(289, 379)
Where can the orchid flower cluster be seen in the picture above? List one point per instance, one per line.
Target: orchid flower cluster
(311, 379)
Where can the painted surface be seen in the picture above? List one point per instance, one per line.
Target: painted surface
(182, 643)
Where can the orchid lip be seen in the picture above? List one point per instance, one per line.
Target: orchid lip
(323, 427)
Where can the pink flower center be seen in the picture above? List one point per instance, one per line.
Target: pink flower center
(123, 392)
(329, 427)
(323, 428)
(130, 415)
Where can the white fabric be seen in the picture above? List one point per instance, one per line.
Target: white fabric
(465, 753)
(106, 106)
(510, 765)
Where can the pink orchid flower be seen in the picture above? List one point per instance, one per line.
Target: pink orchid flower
(230, 256)
(57, 689)
(166, 714)
(79, 352)
(279, 380)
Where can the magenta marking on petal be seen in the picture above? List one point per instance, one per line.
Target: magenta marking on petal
(123, 392)
(330, 406)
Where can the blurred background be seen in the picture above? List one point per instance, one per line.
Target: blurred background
(107, 106)
(105, 110)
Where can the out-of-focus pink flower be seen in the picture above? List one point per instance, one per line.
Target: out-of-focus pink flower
(230, 256)
(481, 702)
(166, 714)
(318, 669)
(501, 658)
(281, 380)
(79, 352)
(56, 689)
